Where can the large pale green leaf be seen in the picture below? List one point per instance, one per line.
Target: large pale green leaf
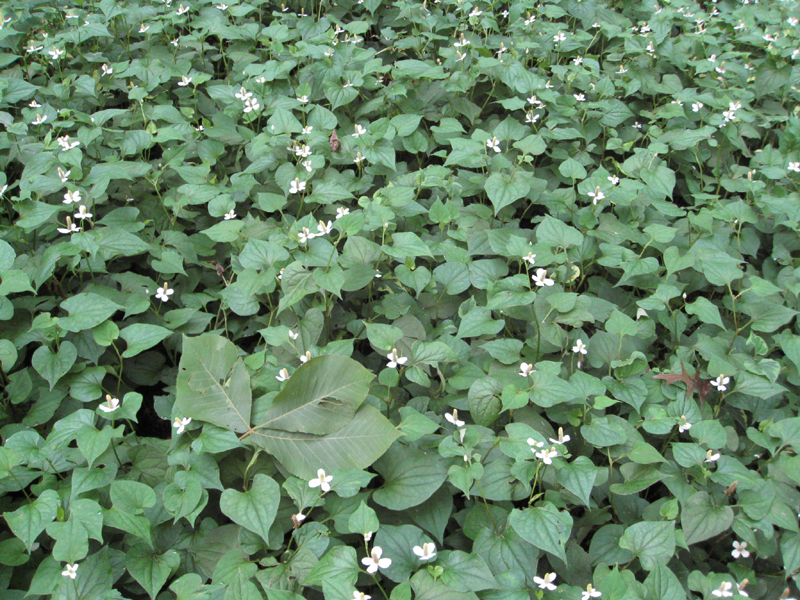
(254, 509)
(410, 477)
(545, 527)
(356, 445)
(213, 383)
(321, 397)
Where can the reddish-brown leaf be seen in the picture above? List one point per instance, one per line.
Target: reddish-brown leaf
(334, 142)
(692, 383)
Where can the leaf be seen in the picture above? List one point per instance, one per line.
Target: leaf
(504, 189)
(150, 569)
(141, 337)
(29, 520)
(213, 384)
(557, 234)
(86, 311)
(579, 477)
(410, 477)
(397, 543)
(466, 572)
(662, 584)
(414, 425)
(363, 520)
(484, 400)
(52, 367)
(545, 527)
(651, 542)
(254, 509)
(321, 397)
(702, 518)
(355, 446)
(703, 386)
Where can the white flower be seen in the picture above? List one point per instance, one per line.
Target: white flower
(322, 481)
(547, 456)
(637, 125)
(180, 424)
(305, 235)
(282, 375)
(55, 53)
(724, 590)
(368, 536)
(358, 158)
(546, 582)
(740, 550)
(360, 596)
(231, 214)
(307, 166)
(721, 383)
(378, 275)
(183, 9)
(328, 52)
(243, 94)
(359, 131)
(299, 517)
(541, 279)
(303, 151)
(110, 405)
(425, 552)
(70, 228)
(395, 360)
(453, 418)
(685, 426)
(307, 129)
(296, 186)
(34, 104)
(293, 335)
(323, 228)
(223, 7)
(280, 274)
(475, 12)
(82, 214)
(559, 37)
(794, 166)
(39, 119)
(304, 358)
(711, 456)
(579, 97)
(579, 347)
(33, 48)
(374, 561)
(341, 212)
(71, 197)
(577, 61)
(106, 70)
(562, 439)
(493, 144)
(534, 444)
(531, 118)
(185, 81)
(143, 28)
(596, 195)
(250, 105)
(696, 106)
(175, 42)
(65, 143)
(530, 259)
(613, 179)
(71, 571)
(525, 369)
(261, 79)
(164, 293)
(347, 85)
(590, 593)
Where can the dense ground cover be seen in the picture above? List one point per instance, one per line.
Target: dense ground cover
(442, 300)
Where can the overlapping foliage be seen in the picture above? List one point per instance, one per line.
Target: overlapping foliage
(440, 299)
